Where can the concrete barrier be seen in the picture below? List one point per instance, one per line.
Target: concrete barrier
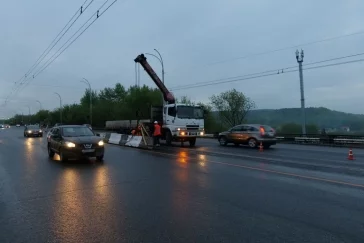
(134, 141)
(126, 140)
(114, 138)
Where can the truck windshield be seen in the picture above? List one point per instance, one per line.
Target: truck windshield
(191, 112)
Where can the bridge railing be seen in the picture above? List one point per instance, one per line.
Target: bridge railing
(309, 139)
(317, 139)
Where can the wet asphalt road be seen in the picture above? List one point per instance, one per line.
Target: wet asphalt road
(210, 193)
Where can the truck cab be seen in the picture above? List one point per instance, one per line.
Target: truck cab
(180, 122)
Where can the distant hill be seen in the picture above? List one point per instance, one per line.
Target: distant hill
(322, 117)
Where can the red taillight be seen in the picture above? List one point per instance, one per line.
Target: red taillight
(262, 131)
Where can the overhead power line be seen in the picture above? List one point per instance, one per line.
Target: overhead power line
(289, 47)
(274, 71)
(59, 36)
(241, 78)
(98, 15)
(69, 42)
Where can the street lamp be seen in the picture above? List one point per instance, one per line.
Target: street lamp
(40, 105)
(160, 59)
(28, 114)
(85, 81)
(60, 105)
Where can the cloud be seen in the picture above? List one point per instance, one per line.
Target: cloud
(191, 36)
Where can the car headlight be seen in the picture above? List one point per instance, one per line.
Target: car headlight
(101, 143)
(40, 131)
(201, 133)
(182, 133)
(29, 131)
(70, 145)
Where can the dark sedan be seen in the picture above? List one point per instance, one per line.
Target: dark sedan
(74, 141)
(33, 131)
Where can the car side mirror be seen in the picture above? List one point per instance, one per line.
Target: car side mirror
(98, 134)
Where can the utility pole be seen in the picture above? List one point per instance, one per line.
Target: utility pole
(60, 105)
(299, 58)
(89, 86)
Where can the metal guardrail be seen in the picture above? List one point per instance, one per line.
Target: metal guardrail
(330, 140)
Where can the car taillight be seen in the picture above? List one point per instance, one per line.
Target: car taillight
(262, 131)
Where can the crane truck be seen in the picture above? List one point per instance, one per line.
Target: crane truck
(179, 122)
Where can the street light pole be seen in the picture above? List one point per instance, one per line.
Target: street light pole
(40, 105)
(28, 114)
(299, 58)
(89, 86)
(40, 108)
(160, 59)
(60, 105)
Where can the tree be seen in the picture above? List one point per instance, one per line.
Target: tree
(185, 100)
(294, 128)
(232, 106)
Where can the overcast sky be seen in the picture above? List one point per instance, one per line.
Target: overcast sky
(200, 40)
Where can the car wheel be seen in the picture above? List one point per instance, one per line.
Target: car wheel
(252, 142)
(100, 158)
(222, 141)
(62, 158)
(50, 152)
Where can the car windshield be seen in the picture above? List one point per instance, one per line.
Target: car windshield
(77, 132)
(33, 127)
(192, 112)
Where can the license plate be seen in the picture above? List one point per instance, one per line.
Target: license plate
(88, 150)
(193, 134)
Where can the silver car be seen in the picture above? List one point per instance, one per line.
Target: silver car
(249, 134)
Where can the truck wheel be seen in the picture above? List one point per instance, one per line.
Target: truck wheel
(168, 138)
(192, 142)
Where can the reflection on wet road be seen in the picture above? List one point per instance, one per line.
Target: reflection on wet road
(207, 194)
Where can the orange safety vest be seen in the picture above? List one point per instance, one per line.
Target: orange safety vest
(157, 130)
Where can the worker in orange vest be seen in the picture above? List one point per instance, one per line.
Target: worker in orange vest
(157, 134)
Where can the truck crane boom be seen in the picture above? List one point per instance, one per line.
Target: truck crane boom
(167, 95)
